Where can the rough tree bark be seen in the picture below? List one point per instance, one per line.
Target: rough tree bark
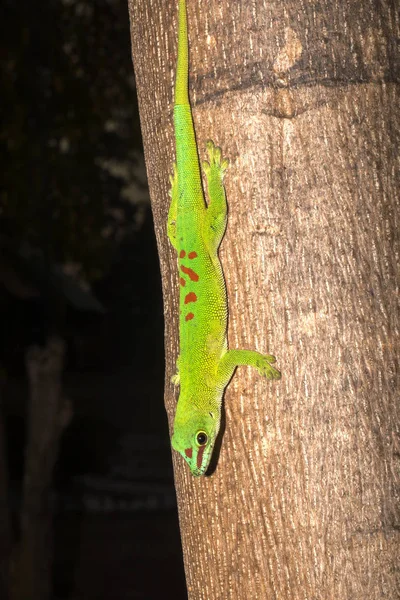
(303, 99)
(49, 413)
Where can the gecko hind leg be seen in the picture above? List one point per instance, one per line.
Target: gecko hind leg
(214, 170)
(235, 358)
(173, 208)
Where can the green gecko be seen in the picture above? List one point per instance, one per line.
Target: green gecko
(195, 229)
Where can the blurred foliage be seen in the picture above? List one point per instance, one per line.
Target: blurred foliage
(68, 107)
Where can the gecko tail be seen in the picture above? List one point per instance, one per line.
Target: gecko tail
(182, 67)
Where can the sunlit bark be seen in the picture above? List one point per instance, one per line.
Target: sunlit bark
(303, 99)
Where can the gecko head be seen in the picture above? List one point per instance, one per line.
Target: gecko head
(194, 438)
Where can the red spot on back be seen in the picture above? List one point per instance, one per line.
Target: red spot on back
(192, 275)
(200, 456)
(189, 452)
(182, 254)
(192, 255)
(182, 281)
(190, 297)
(189, 317)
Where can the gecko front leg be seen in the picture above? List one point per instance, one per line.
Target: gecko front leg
(176, 379)
(235, 358)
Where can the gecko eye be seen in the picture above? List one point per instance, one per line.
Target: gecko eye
(201, 438)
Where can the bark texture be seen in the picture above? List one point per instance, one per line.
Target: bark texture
(48, 415)
(303, 98)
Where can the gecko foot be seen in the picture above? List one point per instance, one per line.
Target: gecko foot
(264, 366)
(216, 166)
(175, 379)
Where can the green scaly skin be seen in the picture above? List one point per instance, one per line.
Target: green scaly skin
(195, 229)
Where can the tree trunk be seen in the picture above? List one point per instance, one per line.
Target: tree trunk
(303, 100)
(49, 413)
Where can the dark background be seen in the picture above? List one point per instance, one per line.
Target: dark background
(78, 258)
